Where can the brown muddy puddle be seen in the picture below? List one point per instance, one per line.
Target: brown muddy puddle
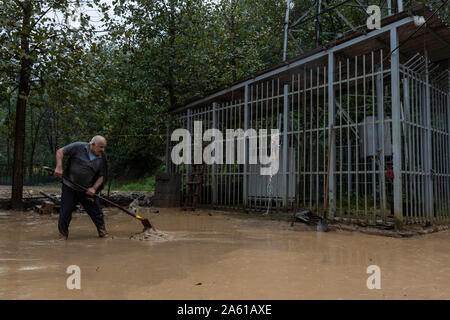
(217, 256)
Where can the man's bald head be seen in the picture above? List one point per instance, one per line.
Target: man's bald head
(97, 145)
(98, 139)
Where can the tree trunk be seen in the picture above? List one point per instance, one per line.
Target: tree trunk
(24, 91)
(30, 163)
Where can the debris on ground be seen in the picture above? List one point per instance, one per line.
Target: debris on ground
(152, 235)
(47, 207)
(141, 199)
(305, 216)
(309, 218)
(405, 232)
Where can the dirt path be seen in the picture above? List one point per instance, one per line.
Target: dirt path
(214, 255)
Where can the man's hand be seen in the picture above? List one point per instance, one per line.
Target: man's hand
(91, 191)
(58, 171)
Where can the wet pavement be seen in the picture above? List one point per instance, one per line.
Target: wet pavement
(214, 255)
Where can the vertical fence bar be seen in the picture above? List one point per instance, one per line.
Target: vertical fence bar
(356, 138)
(447, 171)
(317, 147)
(235, 153)
(297, 168)
(227, 165)
(381, 134)
(304, 137)
(406, 119)
(219, 178)
(349, 141)
(447, 109)
(246, 149)
(214, 166)
(310, 138)
(261, 126)
(341, 144)
(440, 134)
(420, 144)
(331, 114)
(372, 157)
(365, 159)
(428, 147)
(285, 145)
(413, 142)
(396, 125)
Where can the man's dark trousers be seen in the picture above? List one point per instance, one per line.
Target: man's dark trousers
(69, 199)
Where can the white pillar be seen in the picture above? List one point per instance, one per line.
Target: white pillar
(396, 125)
(331, 116)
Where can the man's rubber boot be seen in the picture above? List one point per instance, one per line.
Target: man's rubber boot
(63, 236)
(102, 233)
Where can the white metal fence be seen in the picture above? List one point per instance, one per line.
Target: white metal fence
(390, 146)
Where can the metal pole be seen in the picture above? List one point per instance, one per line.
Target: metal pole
(448, 133)
(286, 27)
(428, 148)
(214, 166)
(246, 148)
(331, 115)
(408, 154)
(396, 126)
(285, 144)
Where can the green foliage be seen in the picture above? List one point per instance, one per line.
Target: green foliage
(151, 57)
(142, 184)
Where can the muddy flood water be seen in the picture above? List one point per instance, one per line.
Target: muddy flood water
(214, 255)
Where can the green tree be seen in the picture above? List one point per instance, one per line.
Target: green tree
(34, 43)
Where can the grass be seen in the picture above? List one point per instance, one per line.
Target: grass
(146, 183)
(142, 184)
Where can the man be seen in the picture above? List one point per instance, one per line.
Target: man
(86, 166)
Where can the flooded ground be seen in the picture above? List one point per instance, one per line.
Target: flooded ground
(214, 255)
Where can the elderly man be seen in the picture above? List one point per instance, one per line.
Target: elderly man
(86, 166)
